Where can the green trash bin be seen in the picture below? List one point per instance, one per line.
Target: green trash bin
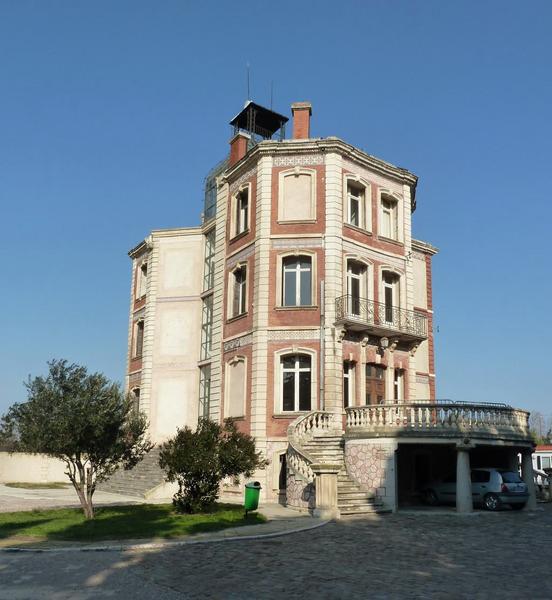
(252, 492)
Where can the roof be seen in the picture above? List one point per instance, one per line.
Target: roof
(265, 119)
(544, 448)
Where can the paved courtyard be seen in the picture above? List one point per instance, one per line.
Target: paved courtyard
(424, 555)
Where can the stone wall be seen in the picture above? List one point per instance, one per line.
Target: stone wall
(30, 468)
(299, 493)
(371, 463)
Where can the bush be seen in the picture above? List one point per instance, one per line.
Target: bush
(199, 460)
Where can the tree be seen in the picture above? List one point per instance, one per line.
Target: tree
(199, 460)
(83, 419)
(540, 428)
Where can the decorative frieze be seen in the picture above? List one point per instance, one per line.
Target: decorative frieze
(240, 256)
(422, 378)
(245, 177)
(296, 243)
(301, 160)
(278, 335)
(236, 343)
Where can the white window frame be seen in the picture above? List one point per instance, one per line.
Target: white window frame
(238, 223)
(349, 380)
(142, 280)
(279, 382)
(238, 311)
(137, 324)
(365, 203)
(280, 278)
(396, 216)
(398, 293)
(295, 172)
(227, 372)
(398, 385)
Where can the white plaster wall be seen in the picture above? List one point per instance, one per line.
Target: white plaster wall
(421, 358)
(177, 333)
(30, 468)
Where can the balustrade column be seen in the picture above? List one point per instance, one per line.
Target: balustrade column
(325, 481)
(464, 501)
(528, 476)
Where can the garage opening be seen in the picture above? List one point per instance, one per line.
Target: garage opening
(418, 465)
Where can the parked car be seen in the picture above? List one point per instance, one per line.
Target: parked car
(491, 488)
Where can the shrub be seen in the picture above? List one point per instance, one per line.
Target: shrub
(199, 460)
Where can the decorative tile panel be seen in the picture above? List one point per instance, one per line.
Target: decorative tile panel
(245, 177)
(301, 160)
(281, 335)
(236, 343)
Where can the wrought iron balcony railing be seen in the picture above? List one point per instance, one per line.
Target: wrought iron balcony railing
(363, 312)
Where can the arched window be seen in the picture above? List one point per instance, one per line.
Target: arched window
(358, 203)
(391, 296)
(388, 217)
(297, 281)
(138, 338)
(239, 291)
(356, 286)
(295, 382)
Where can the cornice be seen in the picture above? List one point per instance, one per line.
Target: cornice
(424, 247)
(323, 145)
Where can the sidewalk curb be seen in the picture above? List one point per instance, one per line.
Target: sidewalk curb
(168, 544)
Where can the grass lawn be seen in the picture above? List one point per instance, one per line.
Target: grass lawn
(55, 485)
(119, 522)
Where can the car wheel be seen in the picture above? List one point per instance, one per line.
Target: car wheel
(517, 506)
(430, 497)
(491, 502)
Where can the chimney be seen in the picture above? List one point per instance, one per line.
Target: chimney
(302, 112)
(238, 147)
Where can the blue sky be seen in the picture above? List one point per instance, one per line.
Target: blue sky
(111, 113)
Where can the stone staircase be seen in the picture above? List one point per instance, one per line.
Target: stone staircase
(315, 439)
(145, 476)
(351, 498)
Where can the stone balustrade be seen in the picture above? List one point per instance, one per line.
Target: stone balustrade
(440, 419)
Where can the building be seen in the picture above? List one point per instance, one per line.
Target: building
(302, 308)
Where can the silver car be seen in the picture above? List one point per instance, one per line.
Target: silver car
(491, 488)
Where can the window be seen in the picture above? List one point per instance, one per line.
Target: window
(348, 384)
(241, 208)
(235, 389)
(295, 382)
(138, 338)
(388, 219)
(206, 327)
(375, 384)
(297, 193)
(398, 385)
(142, 279)
(545, 461)
(297, 281)
(239, 291)
(356, 286)
(204, 391)
(358, 208)
(209, 265)
(390, 283)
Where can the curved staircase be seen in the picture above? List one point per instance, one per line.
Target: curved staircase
(314, 439)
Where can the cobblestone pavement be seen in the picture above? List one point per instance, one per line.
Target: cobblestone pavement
(424, 555)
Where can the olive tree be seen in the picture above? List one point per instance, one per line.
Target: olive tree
(199, 460)
(82, 419)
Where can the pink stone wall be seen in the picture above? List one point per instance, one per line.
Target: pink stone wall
(368, 465)
(299, 494)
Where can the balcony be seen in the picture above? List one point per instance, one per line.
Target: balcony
(442, 419)
(360, 314)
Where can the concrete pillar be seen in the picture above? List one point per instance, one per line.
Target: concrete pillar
(464, 501)
(325, 481)
(527, 476)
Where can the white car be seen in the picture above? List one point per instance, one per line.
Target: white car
(491, 488)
